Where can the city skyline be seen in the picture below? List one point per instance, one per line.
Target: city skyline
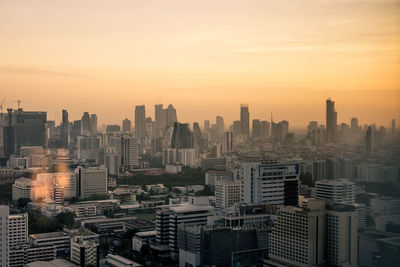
(204, 58)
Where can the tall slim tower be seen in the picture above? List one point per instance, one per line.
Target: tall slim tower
(331, 121)
(158, 120)
(370, 141)
(64, 128)
(140, 121)
(244, 120)
(393, 125)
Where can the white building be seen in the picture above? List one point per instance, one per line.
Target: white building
(26, 188)
(168, 219)
(14, 232)
(227, 193)
(384, 206)
(212, 176)
(315, 234)
(65, 180)
(270, 183)
(143, 239)
(186, 156)
(92, 181)
(339, 190)
(297, 235)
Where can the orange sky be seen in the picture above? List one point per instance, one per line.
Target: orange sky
(205, 57)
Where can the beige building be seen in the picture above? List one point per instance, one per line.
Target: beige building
(227, 193)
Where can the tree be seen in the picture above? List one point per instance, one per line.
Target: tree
(65, 218)
(22, 202)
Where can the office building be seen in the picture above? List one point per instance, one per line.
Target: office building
(221, 246)
(213, 164)
(61, 240)
(370, 141)
(341, 235)
(57, 184)
(126, 126)
(87, 147)
(26, 188)
(220, 125)
(331, 121)
(113, 129)
(186, 156)
(64, 131)
(256, 128)
(182, 136)
(265, 129)
(168, 220)
(4, 245)
(297, 237)
(112, 160)
(92, 181)
(212, 176)
(25, 254)
(339, 190)
(84, 252)
(315, 234)
(227, 193)
(140, 122)
(227, 142)
(127, 149)
(244, 121)
(270, 182)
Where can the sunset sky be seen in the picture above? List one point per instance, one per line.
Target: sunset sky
(205, 57)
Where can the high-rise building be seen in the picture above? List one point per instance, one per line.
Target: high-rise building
(168, 220)
(93, 124)
(207, 126)
(339, 190)
(58, 185)
(265, 129)
(220, 125)
(393, 125)
(244, 121)
(354, 125)
(170, 116)
(182, 136)
(370, 141)
(270, 182)
(92, 181)
(256, 128)
(227, 142)
(64, 131)
(227, 193)
(4, 244)
(87, 147)
(284, 129)
(86, 124)
(140, 122)
(222, 246)
(297, 237)
(126, 126)
(196, 136)
(341, 225)
(127, 150)
(331, 121)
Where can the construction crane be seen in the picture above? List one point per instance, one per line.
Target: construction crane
(19, 101)
(1, 105)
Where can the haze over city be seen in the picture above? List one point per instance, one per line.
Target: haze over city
(206, 58)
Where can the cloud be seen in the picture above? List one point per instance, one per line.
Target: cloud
(32, 71)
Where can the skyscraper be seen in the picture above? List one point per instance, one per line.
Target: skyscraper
(182, 136)
(370, 141)
(206, 126)
(256, 129)
(227, 142)
(140, 122)
(393, 125)
(158, 118)
(126, 126)
(170, 116)
(64, 131)
(331, 121)
(220, 125)
(85, 124)
(244, 120)
(93, 124)
(354, 125)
